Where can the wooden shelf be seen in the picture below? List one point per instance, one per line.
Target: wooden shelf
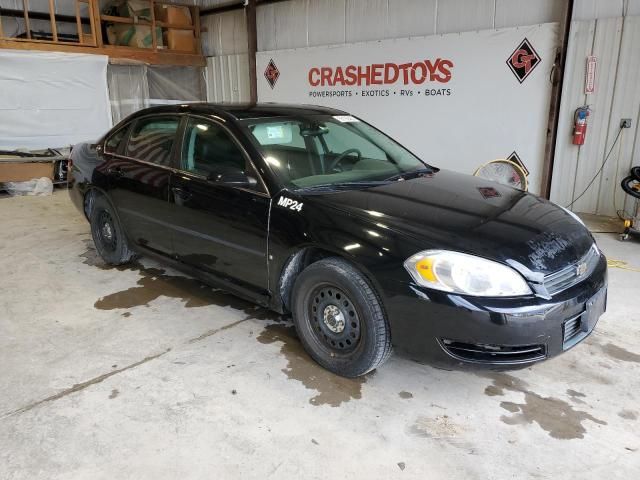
(116, 54)
(127, 20)
(94, 43)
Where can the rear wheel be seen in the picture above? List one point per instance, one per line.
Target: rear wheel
(108, 235)
(339, 318)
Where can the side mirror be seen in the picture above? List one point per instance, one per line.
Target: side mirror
(235, 179)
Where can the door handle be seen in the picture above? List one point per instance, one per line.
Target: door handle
(115, 171)
(181, 193)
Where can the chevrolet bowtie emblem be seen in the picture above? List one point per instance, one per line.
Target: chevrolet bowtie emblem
(581, 269)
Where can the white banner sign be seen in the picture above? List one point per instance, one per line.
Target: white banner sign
(456, 100)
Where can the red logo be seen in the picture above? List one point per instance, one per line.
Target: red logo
(523, 60)
(272, 73)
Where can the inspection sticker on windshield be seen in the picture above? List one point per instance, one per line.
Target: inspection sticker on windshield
(345, 118)
(290, 204)
(275, 132)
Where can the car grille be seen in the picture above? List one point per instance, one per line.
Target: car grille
(484, 353)
(571, 329)
(574, 273)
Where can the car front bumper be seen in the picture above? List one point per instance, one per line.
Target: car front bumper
(446, 329)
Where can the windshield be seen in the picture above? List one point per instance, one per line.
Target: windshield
(324, 151)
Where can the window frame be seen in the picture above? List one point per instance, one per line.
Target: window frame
(261, 186)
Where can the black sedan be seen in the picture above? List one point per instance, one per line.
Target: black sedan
(313, 212)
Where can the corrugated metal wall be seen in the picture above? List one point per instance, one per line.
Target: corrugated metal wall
(226, 33)
(228, 78)
(304, 23)
(615, 41)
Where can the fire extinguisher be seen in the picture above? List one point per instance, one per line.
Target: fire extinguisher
(580, 124)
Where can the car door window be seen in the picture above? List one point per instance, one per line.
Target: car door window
(152, 139)
(209, 150)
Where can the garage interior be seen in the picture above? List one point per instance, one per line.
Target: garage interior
(142, 372)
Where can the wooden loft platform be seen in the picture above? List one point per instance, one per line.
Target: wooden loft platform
(117, 55)
(89, 39)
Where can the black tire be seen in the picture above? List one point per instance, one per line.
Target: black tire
(340, 319)
(108, 235)
(627, 184)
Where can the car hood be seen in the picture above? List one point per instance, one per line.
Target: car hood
(449, 210)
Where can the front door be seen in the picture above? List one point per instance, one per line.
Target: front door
(220, 207)
(139, 181)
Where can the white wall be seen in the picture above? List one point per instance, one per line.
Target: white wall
(451, 122)
(615, 41)
(304, 23)
(598, 28)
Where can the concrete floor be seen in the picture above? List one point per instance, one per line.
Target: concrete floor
(142, 373)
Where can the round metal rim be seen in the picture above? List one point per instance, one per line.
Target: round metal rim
(107, 232)
(323, 298)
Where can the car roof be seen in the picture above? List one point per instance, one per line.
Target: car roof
(242, 111)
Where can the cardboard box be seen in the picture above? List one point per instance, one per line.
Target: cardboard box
(181, 40)
(24, 171)
(177, 15)
(140, 9)
(138, 36)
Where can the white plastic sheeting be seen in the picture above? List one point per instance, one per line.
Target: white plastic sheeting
(128, 90)
(52, 99)
(134, 87)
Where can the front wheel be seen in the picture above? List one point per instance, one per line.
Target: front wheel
(339, 318)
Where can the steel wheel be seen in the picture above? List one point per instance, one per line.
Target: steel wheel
(107, 231)
(334, 319)
(339, 318)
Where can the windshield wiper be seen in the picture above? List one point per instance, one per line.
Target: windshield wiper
(344, 185)
(411, 174)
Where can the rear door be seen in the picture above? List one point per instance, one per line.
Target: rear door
(221, 226)
(139, 180)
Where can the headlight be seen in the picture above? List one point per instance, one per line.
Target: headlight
(575, 217)
(466, 274)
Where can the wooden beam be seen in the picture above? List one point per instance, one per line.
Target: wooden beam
(196, 25)
(10, 12)
(116, 54)
(554, 104)
(154, 40)
(229, 7)
(52, 17)
(27, 25)
(96, 26)
(252, 41)
(79, 23)
(127, 20)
